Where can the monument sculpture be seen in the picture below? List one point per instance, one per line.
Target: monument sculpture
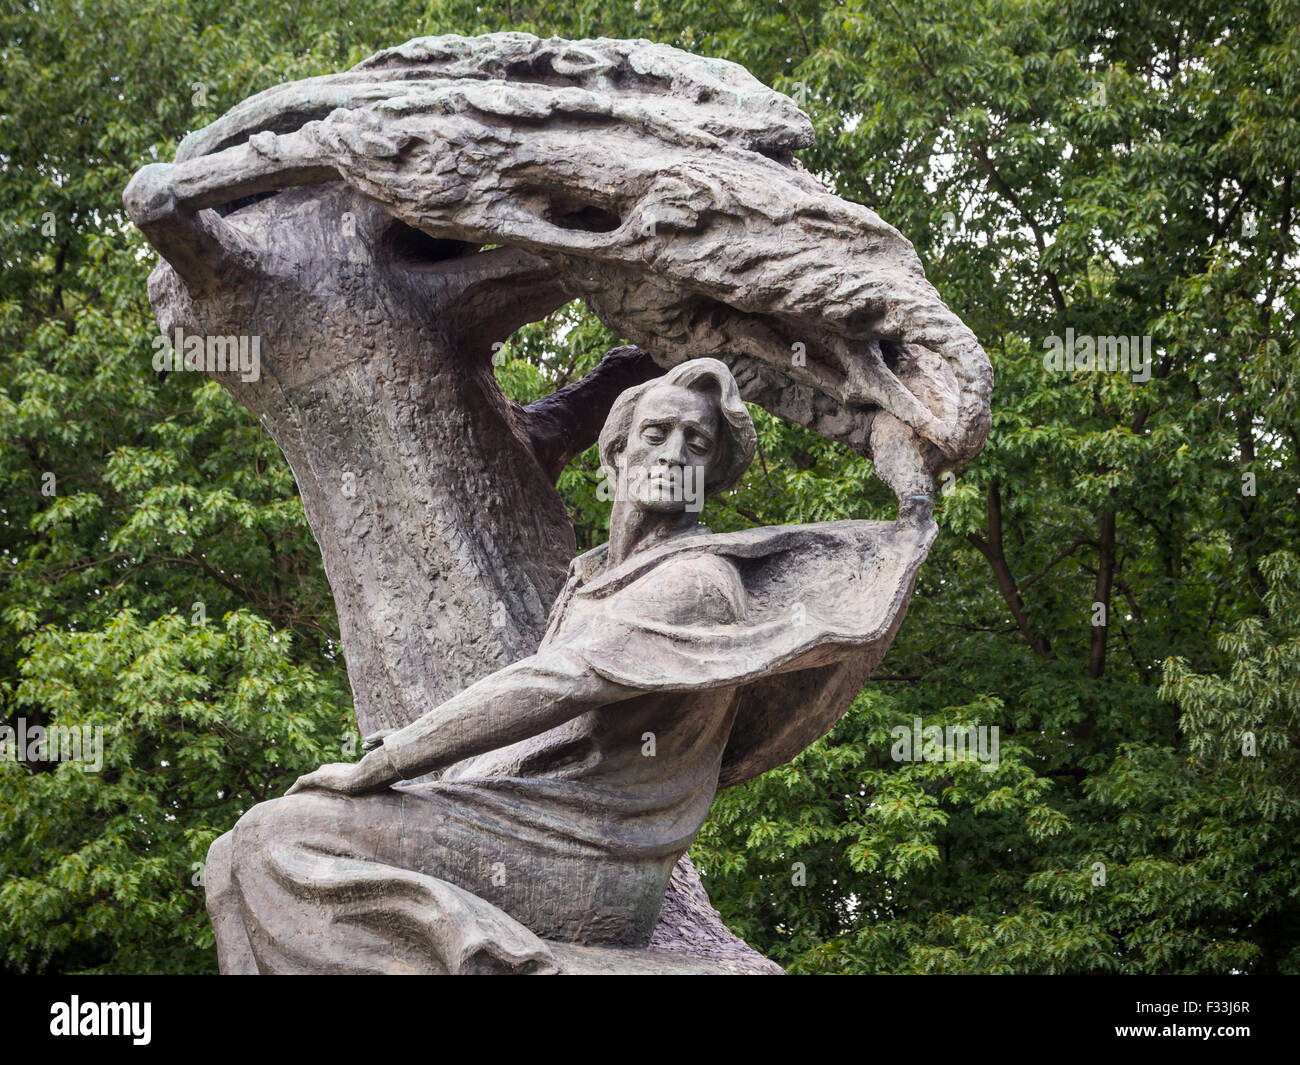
(544, 744)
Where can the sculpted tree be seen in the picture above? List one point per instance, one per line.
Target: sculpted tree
(380, 230)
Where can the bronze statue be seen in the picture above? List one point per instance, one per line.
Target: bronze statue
(376, 236)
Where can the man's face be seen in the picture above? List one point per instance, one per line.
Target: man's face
(671, 448)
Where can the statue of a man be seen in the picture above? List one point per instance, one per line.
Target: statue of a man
(551, 800)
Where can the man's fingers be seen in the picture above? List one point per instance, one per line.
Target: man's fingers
(369, 743)
(327, 778)
(307, 781)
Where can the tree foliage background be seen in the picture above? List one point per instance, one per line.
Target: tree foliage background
(1120, 169)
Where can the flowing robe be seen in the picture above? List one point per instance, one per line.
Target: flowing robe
(693, 664)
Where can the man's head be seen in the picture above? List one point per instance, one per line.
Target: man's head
(671, 441)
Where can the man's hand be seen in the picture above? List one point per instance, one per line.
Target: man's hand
(375, 739)
(373, 773)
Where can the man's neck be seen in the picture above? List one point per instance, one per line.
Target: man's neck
(632, 529)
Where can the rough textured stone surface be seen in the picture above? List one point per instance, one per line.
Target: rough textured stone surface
(663, 187)
(690, 928)
(343, 221)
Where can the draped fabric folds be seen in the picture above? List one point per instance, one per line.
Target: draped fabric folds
(732, 651)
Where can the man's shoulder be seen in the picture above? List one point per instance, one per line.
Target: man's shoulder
(701, 565)
(690, 586)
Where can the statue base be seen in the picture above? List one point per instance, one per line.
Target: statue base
(575, 960)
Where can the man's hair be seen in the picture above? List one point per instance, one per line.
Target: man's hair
(735, 449)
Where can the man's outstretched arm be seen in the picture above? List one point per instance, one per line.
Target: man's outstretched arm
(525, 699)
(555, 685)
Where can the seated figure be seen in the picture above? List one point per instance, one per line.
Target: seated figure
(548, 802)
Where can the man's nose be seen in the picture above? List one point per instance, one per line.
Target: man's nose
(672, 452)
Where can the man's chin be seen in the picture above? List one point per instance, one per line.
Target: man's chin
(661, 504)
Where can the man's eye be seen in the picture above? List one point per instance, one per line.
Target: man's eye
(653, 435)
